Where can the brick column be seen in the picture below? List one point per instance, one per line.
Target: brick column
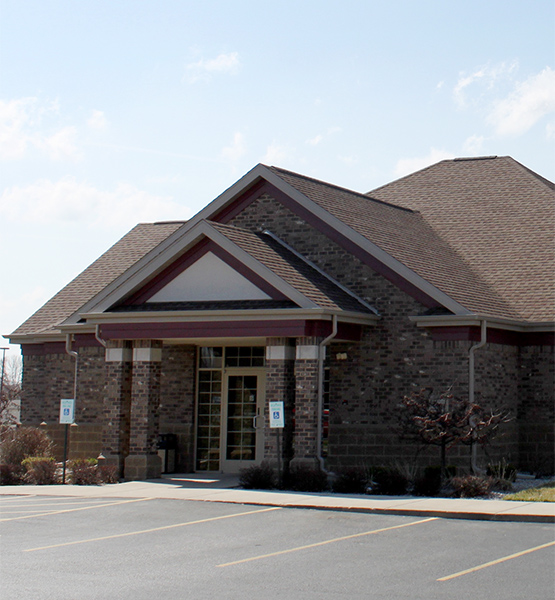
(143, 461)
(280, 386)
(306, 401)
(117, 403)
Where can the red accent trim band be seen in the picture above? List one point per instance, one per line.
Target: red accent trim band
(238, 329)
(82, 340)
(494, 336)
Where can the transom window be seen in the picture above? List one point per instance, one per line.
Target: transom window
(231, 356)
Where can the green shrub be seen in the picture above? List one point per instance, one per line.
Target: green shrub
(108, 473)
(471, 486)
(388, 481)
(24, 442)
(11, 474)
(429, 483)
(84, 471)
(501, 485)
(41, 470)
(304, 478)
(502, 470)
(258, 477)
(351, 480)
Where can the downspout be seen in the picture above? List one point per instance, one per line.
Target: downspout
(98, 338)
(321, 353)
(76, 356)
(471, 382)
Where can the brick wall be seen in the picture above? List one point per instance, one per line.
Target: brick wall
(395, 358)
(177, 402)
(46, 379)
(536, 409)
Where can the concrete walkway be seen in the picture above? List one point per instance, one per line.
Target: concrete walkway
(224, 488)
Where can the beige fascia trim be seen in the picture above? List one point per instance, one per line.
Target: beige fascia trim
(37, 338)
(474, 320)
(223, 315)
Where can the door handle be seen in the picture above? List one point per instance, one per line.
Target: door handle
(254, 426)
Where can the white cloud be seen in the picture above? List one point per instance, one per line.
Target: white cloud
(22, 130)
(97, 120)
(486, 77)
(321, 136)
(315, 140)
(275, 154)
(529, 102)
(349, 160)
(204, 68)
(237, 149)
(473, 144)
(68, 201)
(60, 145)
(410, 165)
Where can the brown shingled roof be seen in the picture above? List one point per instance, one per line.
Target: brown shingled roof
(115, 261)
(481, 231)
(292, 269)
(496, 214)
(407, 236)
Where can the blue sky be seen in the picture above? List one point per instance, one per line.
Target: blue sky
(116, 112)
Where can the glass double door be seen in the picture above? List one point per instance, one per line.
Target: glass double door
(230, 426)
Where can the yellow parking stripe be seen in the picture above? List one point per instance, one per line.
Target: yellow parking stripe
(33, 507)
(121, 535)
(332, 541)
(54, 501)
(495, 562)
(67, 510)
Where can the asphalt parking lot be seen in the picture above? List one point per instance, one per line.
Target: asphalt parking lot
(96, 548)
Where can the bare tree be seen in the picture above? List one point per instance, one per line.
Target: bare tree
(11, 390)
(444, 420)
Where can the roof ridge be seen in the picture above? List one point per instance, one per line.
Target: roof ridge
(537, 176)
(408, 175)
(316, 268)
(362, 195)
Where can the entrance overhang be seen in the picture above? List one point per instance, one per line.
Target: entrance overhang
(227, 324)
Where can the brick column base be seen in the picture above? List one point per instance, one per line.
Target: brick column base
(144, 466)
(306, 402)
(280, 386)
(117, 400)
(143, 461)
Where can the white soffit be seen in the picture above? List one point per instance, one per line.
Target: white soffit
(209, 278)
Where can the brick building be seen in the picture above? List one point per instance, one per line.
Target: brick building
(337, 303)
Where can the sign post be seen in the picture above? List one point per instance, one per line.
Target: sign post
(67, 418)
(277, 421)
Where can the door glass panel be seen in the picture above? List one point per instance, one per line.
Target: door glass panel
(209, 416)
(241, 434)
(227, 413)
